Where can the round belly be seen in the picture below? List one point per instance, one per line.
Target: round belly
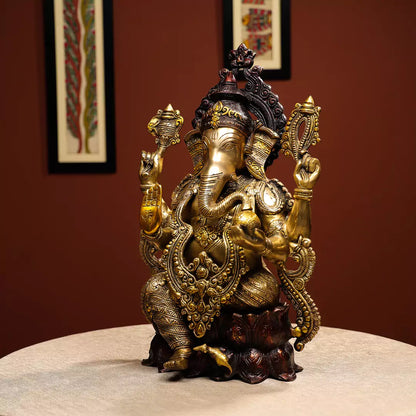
(215, 251)
(218, 253)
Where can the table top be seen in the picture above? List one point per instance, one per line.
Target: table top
(99, 373)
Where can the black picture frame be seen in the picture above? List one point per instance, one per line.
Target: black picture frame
(108, 165)
(284, 71)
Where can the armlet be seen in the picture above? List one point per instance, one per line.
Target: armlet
(273, 197)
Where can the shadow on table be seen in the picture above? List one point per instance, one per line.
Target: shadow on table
(174, 376)
(124, 387)
(133, 363)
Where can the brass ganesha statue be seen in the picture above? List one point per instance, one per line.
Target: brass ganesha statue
(206, 252)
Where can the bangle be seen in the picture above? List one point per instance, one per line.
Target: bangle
(303, 194)
(152, 237)
(144, 188)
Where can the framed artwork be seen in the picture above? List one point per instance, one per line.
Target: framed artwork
(80, 86)
(264, 27)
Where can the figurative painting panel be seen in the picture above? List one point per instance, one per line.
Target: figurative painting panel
(256, 28)
(264, 27)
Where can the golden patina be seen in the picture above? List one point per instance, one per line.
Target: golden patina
(219, 110)
(206, 252)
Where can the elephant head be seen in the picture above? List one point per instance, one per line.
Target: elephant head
(227, 141)
(224, 120)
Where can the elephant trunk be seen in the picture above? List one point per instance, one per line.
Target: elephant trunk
(210, 189)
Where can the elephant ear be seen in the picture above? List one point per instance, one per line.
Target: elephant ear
(258, 150)
(196, 148)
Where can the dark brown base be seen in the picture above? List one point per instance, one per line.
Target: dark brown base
(255, 343)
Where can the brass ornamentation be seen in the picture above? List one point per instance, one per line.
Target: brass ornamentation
(219, 110)
(293, 284)
(306, 115)
(206, 252)
(196, 149)
(258, 150)
(165, 126)
(201, 286)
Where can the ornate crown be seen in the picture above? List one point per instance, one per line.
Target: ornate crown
(256, 98)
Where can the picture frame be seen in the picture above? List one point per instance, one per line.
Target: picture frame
(264, 27)
(80, 86)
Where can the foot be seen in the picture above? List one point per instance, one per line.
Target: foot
(179, 360)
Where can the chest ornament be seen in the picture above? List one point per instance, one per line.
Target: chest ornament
(202, 286)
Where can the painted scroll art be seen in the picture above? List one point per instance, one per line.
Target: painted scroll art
(80, 68)
(84, 138)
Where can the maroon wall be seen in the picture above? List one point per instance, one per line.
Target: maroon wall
(69, 256)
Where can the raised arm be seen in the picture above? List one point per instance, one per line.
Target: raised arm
(306, 174)
(154, 208)
(154, 212)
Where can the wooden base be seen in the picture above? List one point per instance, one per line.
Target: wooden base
(255, 343)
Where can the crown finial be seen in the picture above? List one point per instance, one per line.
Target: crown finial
(165, 126)
(310, 100)
(308, 105)
(240, 58)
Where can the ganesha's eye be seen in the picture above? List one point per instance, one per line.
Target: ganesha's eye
(229, 147)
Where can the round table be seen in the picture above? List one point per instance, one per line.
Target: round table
(99, 373)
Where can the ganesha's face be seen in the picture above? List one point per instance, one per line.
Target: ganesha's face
(224, 151)
(218, 154)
